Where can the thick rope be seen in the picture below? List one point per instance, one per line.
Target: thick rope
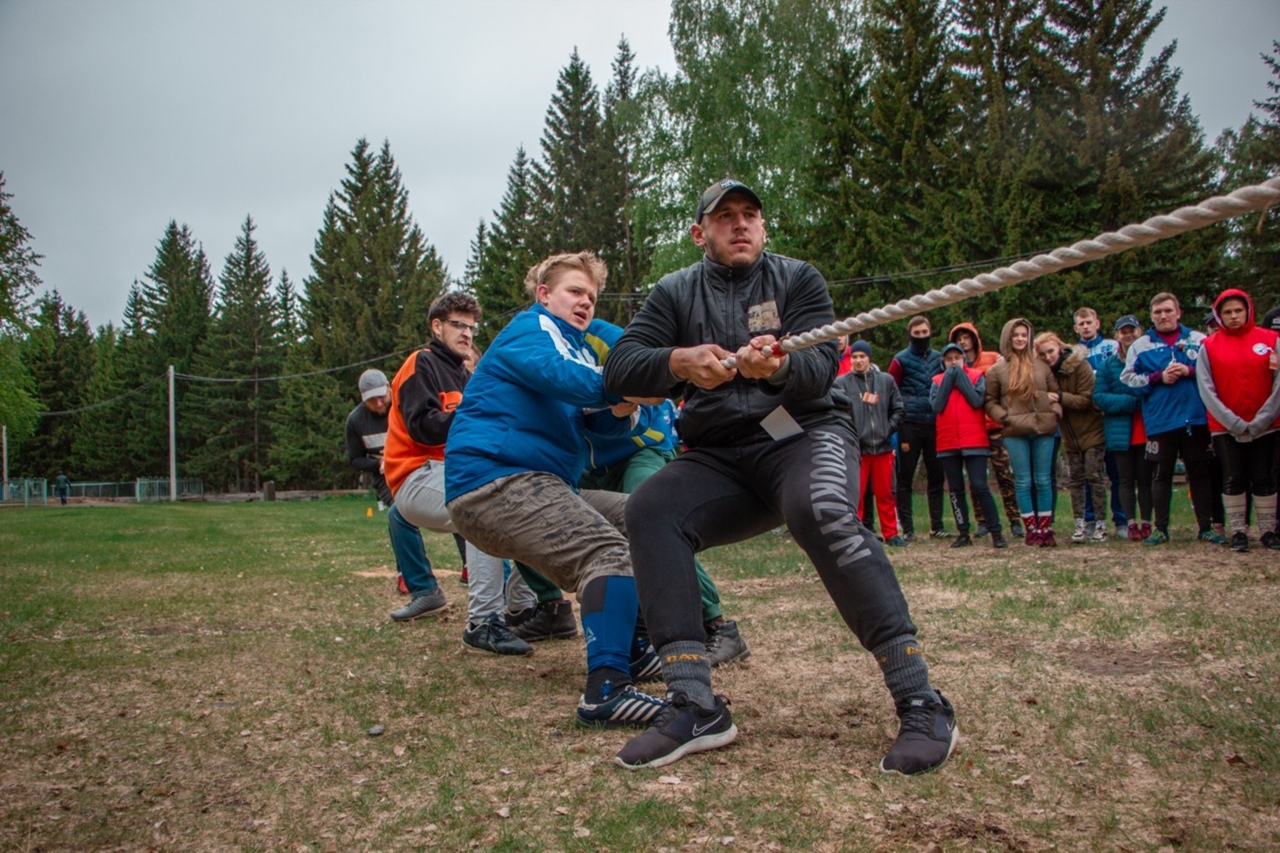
(1184, 219)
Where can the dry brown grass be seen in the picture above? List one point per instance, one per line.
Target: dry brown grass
(1108, 698)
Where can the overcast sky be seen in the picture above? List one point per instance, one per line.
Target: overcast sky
(116, 116)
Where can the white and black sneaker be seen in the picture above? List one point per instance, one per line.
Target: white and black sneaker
(927, 734)
(682, 728)
(620, 706)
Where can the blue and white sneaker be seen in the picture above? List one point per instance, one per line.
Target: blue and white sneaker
(645, 665)
(625, 706)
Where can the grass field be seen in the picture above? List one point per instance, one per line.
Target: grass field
(205, 676)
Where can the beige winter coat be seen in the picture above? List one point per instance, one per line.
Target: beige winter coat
(1037, 416)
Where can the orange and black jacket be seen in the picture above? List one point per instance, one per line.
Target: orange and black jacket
(424, 394)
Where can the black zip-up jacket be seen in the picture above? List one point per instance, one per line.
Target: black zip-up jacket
(711, 303)
(875, 422)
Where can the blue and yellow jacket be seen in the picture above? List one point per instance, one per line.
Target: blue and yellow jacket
(535, 396)
(657, 424)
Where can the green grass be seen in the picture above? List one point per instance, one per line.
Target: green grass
(171, 676)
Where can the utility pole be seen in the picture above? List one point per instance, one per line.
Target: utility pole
(173, 442)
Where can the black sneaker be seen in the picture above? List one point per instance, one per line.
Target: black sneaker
(1271, 541)
(997, 540)
(683, 727)
(980, 531)
(940, 534)
(622, 706)
(926, 735)
(493, 636)
(1239, 541)
(962, 541)
(725, 644)
(550, 620)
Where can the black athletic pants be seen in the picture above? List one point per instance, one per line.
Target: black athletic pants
(975, 467)
(916, 440)
(1192, 445)
(714, 496)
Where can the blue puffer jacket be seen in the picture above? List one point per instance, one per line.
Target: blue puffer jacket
(1117, 401)
(535, 395)
(914, 372)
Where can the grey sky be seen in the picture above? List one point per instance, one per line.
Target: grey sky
(116, 116)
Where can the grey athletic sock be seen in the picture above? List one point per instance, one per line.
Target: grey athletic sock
(905, 672)
(687, 670)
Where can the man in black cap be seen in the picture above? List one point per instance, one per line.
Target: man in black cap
(767, 445)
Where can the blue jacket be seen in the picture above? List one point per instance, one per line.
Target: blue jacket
(656, 427)
(1165, 407)
(1099, 350)
(914, 372)
(524, 406)
(1117, 401)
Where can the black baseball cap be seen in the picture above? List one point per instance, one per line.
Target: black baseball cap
(715, 193)
(1128, 320)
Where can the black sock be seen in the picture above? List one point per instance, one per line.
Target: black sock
(596, 680)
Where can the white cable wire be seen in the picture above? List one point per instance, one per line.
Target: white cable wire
(1244, 200)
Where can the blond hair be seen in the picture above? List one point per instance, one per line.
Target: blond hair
(548, 271)
(1085, 313)
(1022, 365)
(1165, 297)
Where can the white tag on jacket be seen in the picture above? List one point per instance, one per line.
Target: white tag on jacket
(779, 424)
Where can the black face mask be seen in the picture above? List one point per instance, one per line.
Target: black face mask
(920, 346)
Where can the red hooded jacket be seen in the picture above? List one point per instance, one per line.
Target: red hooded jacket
(1242, 364)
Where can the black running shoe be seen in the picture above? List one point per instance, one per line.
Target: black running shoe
(1239, 541)
(493, 636)
(926, 735)
(683, 727)
(550, 620)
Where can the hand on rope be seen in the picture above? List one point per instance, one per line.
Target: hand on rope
(1244, 200)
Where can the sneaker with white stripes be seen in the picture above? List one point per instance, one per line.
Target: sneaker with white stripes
(624, 706)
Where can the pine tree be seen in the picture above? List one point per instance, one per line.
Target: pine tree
(1122, 145)
(18, 262)
(58, 353)
(99, 450)
(18, 280)
(508, 251)
(1251, 155)
(374, 277)
(242, 344)
(286, 304)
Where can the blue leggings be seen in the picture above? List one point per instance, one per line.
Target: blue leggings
(1031, 456)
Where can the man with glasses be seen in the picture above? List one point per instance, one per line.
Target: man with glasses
(424, 394)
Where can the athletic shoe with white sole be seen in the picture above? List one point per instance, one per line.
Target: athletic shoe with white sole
(682, 728)
(421, 605)
(927, 734)
(493, 636)
(625, 706)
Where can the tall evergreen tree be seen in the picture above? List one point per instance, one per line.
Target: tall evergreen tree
(286, 305)
(100, 448)
(166, 319)
(18, 280)
(510, 248)
(1251, 155)
(1122, 145)
(242, 343)
(374, 276)
(58, 353)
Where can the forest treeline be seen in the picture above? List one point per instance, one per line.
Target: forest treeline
(898, 145)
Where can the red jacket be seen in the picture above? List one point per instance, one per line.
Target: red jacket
(1241, 365)
(960, 425)
(983, 359)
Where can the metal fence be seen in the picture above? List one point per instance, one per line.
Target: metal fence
(26, 491)
(104, 490)
(150, 489)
